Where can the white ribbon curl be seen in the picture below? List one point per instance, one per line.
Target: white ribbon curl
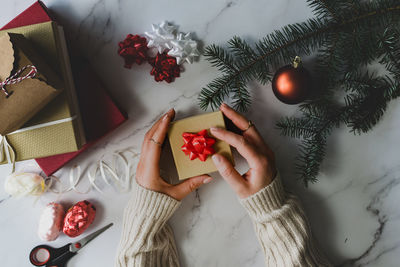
(109, 173)
(7, 152)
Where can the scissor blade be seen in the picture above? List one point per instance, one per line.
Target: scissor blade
(74, 247)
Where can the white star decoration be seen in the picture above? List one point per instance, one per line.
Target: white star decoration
(184, 48)
(161, 36)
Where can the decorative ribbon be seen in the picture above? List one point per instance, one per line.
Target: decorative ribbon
(13, 79)
(103, 169)
(198, 145)
(7, 150)
(43, 125)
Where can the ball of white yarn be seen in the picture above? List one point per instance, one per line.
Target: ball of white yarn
(22, 184)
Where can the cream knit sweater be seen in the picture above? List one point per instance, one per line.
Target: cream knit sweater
(279, 221)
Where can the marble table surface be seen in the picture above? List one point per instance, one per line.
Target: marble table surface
(353, 209)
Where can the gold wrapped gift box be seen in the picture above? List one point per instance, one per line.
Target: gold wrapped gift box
(188, 168)
(57, 128)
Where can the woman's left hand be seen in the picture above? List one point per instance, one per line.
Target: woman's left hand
(148, 170)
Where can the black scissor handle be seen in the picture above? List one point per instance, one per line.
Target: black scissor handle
(55, 256)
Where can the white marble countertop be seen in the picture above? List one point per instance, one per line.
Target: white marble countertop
(353, 209)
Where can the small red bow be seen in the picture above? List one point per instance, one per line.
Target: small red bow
(133, 49)
(198, 145)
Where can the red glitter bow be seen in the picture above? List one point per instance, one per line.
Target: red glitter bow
(133, 49)
(78, 218)
(164, 68)
(198, 145)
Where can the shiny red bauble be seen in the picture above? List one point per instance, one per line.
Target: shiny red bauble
(292, 84)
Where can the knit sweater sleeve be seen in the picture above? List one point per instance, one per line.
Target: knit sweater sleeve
(282, 228)
(146, 239)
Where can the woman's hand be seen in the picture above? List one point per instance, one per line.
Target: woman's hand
(148, 170)
(253, 148)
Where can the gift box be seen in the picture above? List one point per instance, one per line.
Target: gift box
(100, 113)
(27, 82)
(58, 127)
(190, 163)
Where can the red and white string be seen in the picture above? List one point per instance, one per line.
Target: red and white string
(13, 79)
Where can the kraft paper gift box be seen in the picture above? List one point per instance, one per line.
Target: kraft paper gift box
(185, 167)
(28, 83)
(57, 128)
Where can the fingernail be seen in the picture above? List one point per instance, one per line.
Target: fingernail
(224, 105)
(165, 117)
(214, 129)
(216, 158)
(207, 180)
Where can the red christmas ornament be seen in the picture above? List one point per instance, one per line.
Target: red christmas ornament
(78, 218)
(133, 49)
(164, 68)
(198, 145)
(292, 84)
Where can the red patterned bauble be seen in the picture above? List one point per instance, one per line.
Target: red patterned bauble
(292, 84)
(165, 68)
(133, 49)
(78, 218)
(198, 145)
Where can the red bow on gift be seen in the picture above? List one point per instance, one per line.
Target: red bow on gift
(198, 145)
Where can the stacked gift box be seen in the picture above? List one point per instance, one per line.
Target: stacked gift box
(68, 111)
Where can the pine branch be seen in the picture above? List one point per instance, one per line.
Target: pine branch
(312, 152)
(281, 46)
(324, 8)
(220, 59)
(215, 92)
(347, 35)
(296, 127)
(390, 48)
(241, 97)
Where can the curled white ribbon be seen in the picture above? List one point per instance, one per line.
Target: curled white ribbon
(7, 152)
(107, 171)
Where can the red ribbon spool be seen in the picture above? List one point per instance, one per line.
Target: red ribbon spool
(198, 145)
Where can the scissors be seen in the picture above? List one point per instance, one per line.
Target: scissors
(44, 255)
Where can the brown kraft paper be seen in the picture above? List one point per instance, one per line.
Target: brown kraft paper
(30, 95)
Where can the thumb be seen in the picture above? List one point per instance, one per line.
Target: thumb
(229, 173)
(180, 191)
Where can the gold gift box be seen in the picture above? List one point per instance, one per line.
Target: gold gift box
(188, 168)
(57, 128)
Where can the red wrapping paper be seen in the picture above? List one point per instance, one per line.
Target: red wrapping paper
(36, 13)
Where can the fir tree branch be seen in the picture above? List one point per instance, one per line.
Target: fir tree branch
(349, 40)
(329, 9)
(312, 152)
(319, 27)
(389, 41)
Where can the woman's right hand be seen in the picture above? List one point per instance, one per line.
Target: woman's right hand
(252, 147)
